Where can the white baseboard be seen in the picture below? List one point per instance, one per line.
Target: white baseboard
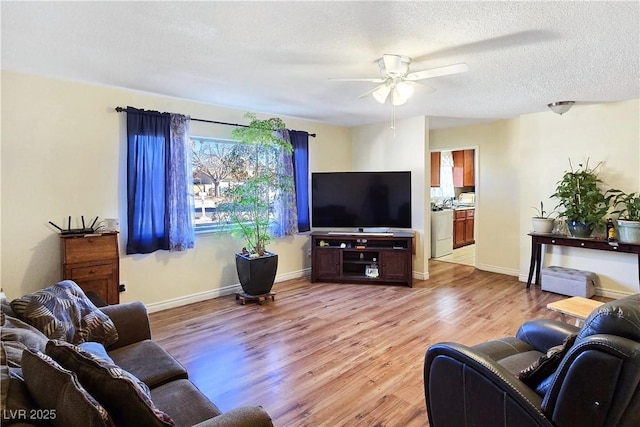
(610, 293)
(215, 293)
(418, 275)
(601, 292)
(500, 270)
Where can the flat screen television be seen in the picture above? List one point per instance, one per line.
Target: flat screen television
(361, 199)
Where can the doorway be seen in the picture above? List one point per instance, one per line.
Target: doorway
(453, 190)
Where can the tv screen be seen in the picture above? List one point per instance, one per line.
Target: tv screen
(361, 199)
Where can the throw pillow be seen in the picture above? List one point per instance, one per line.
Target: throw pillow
(125, 397)
(547, 364)
(17, 335)
(96, 349)
(16, 404)
(63, 311)
(61, 400)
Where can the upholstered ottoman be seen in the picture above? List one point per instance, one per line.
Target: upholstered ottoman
(568, 281)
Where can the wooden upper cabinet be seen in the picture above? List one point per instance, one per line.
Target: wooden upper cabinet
(468, 178)
(463, 168)
(435, 169)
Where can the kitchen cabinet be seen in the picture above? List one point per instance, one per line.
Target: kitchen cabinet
(463, 227)
(435, 169)
(463, 168)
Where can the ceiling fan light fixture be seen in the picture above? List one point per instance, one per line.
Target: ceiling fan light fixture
(561, 107)
(397, 98)
(381, 94)
(404, 89)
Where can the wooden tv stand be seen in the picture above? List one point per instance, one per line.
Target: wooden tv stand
(343, 257)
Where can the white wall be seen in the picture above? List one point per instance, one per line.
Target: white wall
(377, 147)
(64, 152)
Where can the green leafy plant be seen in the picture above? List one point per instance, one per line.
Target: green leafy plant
(580, 196)
(541, 213)
(629, 202)
(251, 202)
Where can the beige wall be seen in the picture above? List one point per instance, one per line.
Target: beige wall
(64, 152)
(609, 133)
(377, 147)
(497, 189)
(520, 161)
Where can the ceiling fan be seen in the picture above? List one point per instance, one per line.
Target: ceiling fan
(395, 78)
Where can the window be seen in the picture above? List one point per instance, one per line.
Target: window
(218, 164)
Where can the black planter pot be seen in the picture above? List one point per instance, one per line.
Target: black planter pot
(257, 274)
(579, 229)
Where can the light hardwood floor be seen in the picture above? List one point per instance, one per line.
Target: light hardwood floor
(340, 354)
(464, 255)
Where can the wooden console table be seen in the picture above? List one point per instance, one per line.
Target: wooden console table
(537, 240)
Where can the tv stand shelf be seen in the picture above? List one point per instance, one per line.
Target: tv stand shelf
(343, 257)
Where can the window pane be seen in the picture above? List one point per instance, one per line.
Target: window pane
(219, 164)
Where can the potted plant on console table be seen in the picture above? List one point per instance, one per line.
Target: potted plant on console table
(251, 201)
(583, 202)
(629, 215)
(542, 222)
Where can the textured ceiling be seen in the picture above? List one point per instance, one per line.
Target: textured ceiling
(277, 57)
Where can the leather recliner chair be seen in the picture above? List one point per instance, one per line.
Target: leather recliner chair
(596, 382)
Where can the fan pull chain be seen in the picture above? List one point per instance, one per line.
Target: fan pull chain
(393, 119)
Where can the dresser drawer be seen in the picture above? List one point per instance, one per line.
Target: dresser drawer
(83, 249)
(92, 271)
(93, 262)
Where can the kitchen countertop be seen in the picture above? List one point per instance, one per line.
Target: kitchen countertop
(454, 208)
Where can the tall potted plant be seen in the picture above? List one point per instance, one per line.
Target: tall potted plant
(582, 202)
(251, 201)
(628, 212)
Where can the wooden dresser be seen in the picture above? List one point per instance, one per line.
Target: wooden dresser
(93, 262)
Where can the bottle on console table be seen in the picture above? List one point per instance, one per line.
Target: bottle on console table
(611, 231)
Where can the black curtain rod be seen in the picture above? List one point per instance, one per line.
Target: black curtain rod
(124, 110)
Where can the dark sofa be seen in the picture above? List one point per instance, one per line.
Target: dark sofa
(165, 380)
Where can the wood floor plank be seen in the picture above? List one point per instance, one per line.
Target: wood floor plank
(342, 354)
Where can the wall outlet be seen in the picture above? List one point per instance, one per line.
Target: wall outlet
(309, 253)
(122, 287)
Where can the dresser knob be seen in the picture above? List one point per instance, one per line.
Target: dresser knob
(553, 241)
(581, 244)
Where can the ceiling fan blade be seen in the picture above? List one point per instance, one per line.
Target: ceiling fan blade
(437, 72)
(427, 89)
(376, 80)
(369, 92)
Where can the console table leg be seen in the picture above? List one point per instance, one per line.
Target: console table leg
(538, 262)
(532, 262)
